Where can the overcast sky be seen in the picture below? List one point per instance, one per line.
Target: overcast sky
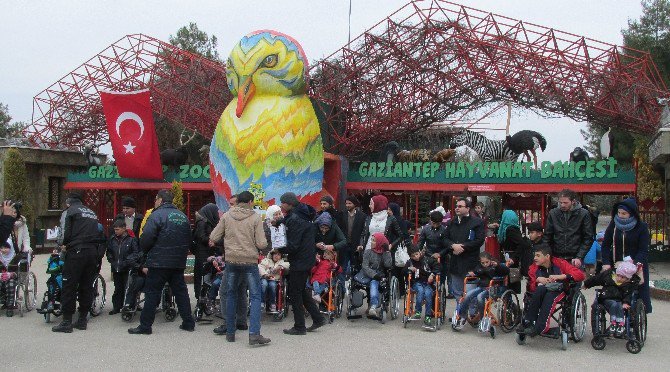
(44, 40)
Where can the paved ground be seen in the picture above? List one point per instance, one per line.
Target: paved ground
(29, 344)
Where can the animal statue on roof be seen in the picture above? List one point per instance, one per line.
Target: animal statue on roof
(524, 141)
(579, 154)
(268, 134)
(486, 149)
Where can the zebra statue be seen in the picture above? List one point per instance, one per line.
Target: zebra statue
(488, 150)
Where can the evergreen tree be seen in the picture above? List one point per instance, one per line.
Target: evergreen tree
(16, 183)
(178, 193)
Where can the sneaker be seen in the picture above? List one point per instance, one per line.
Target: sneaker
(258, 340)
(220, 330)
(139, 331)
(372, 312)
(316, 298)
(428, 321)
(64, 327)
(417, 315)
(612, 329)
(273, 308)
(620, 329)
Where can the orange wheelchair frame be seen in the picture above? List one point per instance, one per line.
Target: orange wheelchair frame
(439, 302)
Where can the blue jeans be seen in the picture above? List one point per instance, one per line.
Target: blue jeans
(479, 293)
(319, 288)
(216, 283)
(424, 291)
(269, 290)
(615, 309)
(234, 273)
(457, 286)
(374, 293)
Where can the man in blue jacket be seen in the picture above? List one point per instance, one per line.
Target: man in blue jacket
(165, 241)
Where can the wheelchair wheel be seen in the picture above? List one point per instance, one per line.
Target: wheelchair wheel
(598, 322)
(383, 316)
(99, 295)
(639, 322)
(394, 298)
(47, 317)
(127, 316)
(442, 308)
(30, 296)
(170, 314)
(405, 320)
(339, 300)
(598, 343)
(633, 346)
(510, 312)
(578, 317)
(197, 314)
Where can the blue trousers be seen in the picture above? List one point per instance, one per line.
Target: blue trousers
(234, 274)
(424, 291)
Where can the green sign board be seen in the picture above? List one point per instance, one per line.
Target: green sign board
(109, 173)
(592, 171)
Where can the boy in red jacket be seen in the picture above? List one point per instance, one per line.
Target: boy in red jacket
(547, 278)
(321, 273)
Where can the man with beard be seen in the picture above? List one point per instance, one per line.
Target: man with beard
(569, 230)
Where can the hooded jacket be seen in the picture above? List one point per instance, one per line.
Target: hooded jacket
(166, 238)
(569, 234)
(205, 221)
(300, 237)
(267, 267)
(243, 235)
(377, 259)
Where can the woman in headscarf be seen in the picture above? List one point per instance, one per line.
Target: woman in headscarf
(205, 220)
(628, 236)
(513, 244)
(380, 222)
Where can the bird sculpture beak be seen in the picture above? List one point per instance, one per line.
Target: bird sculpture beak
(244, 94)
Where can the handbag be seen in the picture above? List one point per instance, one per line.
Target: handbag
(401, 255)
(362, 278)
(514, 275)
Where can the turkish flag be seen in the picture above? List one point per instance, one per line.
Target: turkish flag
(130, 123)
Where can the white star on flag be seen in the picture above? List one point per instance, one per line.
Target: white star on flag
(129, 148)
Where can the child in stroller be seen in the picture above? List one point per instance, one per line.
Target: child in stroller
(51, 301)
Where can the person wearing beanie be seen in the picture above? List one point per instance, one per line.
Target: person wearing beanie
(380, 222)
(354, 223)
(327, 205)
(329, 237)
(301, 251)
(618, 287)
(423, 269)
(628, 235)
(130, 216)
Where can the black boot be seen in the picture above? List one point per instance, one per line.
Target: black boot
(65, 326)
(82, 322)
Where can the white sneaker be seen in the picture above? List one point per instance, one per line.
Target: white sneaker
(372, 311)
(316, 298)
(273, 308)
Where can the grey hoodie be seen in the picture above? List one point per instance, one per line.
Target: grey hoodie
(243, 235)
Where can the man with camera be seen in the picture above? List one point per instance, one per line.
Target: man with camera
(80, 240)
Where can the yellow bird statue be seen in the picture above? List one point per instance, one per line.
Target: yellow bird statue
(268, 134)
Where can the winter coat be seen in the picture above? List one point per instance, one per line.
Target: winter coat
(468, 231)
(137, 223)
(338, 216)
(334, 237)
(485, 274)
(558, 266)
(356, 229)
(203, 229)
(426, 265)
(6, 227)
(279, 230)
(80, 227)
(166, 238)
(611, 289)
(634, 243)
(321, 271)
(391, 231)
(433, 239)
(243, 235)
(569, 234)
(267, 267)
(518, 248)
(22, 235)
(300, 237)
(122, 252)
(375, 263)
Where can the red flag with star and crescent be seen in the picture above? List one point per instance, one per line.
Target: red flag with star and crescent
(130, 123)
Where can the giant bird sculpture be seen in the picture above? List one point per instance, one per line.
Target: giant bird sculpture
(524, 141)
(269, 133)
(606, 144)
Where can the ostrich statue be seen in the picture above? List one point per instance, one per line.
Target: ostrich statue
(527, 140)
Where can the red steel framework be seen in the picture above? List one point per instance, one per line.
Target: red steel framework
(431, 61)
(185, 88)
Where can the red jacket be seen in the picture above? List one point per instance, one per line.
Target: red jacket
(321, 271)
(558, 266)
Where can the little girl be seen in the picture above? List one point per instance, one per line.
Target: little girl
(618, 288)
(270, 269)
(321, 273)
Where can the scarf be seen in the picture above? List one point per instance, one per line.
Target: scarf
(377, 224)
(509, 218)
(625, 224)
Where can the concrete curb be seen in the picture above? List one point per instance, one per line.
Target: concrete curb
(659, 294)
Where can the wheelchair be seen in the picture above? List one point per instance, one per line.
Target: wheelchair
(501, 308)
(332, 300)
(635, 333)
(99, 296)
(25, 292)
(128, 312)
(282, 299)
(389, 297)
(439, 303)
(569, 313)
(204, 306)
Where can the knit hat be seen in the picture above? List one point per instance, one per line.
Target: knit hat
(534, 226)
(625, 208)
(380, 203)
(290, 199)
(381, 243)
(327, 198)
(269, 214)
(354, 200)
(128, 202)
(324, 219)
(626, 269)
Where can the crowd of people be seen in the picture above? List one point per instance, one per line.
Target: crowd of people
(294, 238)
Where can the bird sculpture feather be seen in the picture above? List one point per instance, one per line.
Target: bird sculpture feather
(268, 134)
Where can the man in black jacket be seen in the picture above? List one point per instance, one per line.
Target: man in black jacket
(465, 235)
(301, 250)
(569, 229)
(165, 240)
(328, 206)
(354, 222)
(432, 237)
(80, 240)
(132, 219)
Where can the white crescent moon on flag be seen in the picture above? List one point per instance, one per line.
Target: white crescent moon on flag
(129, 116)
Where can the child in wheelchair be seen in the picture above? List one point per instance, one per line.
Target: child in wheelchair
(320, 280)
(548, 277)
(51, 302)
(214, 267)
(485, 271)
(617, 291)
(270, 269)
(9, 262)
(423, 269)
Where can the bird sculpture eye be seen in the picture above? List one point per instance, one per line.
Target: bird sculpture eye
(270, 61)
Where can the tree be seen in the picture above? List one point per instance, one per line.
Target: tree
(7, 128)
(192, 39)
(622, 150)
(16, 183)
(178, 199)
(649, 183)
